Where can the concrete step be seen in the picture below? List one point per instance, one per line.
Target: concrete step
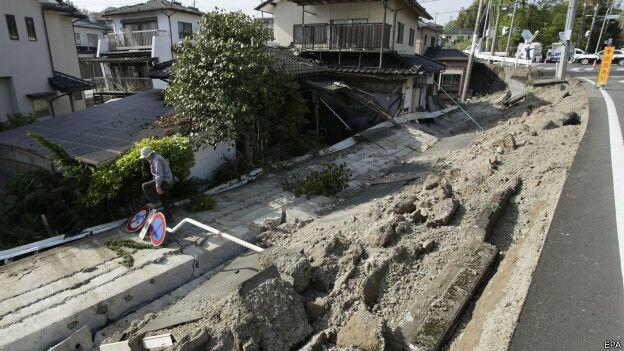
(46, 316)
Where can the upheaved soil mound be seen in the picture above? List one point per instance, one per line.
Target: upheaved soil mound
(349, 278)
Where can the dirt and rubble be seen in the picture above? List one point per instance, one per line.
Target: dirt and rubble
(352, 277)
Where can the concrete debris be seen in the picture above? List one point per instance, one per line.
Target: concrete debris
(442, 212)
(316, 309)
(405, 206)
(385, 259)
(384, 233)
(507, 142)
(364, 331)
(369, 288)
(271, 316)
(319, 341)
(293, 266)
(444, 312)
(431, 182)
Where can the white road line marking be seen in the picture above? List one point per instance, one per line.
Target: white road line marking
(617, 168)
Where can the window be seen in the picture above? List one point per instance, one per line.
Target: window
(400, 29)
(77, 95)
(450, 82)
(92, 39)
(433, 40)
(184, 29)
(41, 107)
(12, 26)
(30, 28)
(425, 41)
(412, 32)
(140, 24)
(77, 38)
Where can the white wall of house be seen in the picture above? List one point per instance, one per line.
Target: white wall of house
(425, 40)
(26, 64)
(64, 57)
(82, 32)
(208, 158)
(287, 14)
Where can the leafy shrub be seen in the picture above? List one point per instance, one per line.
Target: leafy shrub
(84, 196)
(28, 196)
(200, 202)
(15, 120)
(121, 181)
(328, 182)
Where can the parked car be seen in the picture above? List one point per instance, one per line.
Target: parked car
(618, 57)
(586, 59)
(577, 54)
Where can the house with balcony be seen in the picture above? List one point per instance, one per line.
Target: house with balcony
(87, 33)
(142, 34)
(372, 45)
(39, 70)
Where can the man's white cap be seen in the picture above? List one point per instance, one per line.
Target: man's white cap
(146, 151)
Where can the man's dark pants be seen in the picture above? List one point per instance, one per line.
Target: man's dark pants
(149, 189)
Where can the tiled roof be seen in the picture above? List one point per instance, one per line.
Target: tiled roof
(66, 83)
(285, 61)
(60, 6)
(161, 70)
(441, 53)
(87, 23)
(151, 5)
(425, 63)
(96, 135)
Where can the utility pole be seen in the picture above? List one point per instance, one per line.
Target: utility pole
(579, 40)
(591, 28)
(511, 27)
(486, 27)
(604, 22)
(475, 34)
(567, 44)
(498, 11)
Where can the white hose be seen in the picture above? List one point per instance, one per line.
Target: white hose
(215, 232)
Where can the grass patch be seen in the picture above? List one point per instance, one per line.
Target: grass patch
(200, 202)
(327, 182)
(119, 247)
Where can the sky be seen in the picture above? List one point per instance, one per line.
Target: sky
(441, 10)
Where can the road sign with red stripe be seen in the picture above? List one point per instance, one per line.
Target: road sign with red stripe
(157, 229)
(138, 219)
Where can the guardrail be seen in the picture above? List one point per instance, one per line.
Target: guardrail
(353, 36)
(504, 59)
(215, 232)
(141, 39)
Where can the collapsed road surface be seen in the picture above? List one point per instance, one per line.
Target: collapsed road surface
(394, 261)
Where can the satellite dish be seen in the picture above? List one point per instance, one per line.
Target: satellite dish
(527, 35)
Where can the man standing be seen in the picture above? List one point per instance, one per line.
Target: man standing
(157, 190)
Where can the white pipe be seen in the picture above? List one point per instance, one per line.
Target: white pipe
(215, 232)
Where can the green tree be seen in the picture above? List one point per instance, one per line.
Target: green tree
(547, 16)
(223, 82)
